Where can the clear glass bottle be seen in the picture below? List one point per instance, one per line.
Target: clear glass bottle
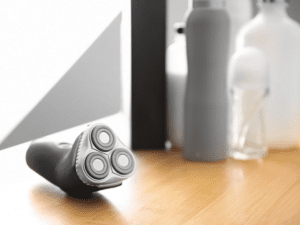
(249, 87)
(176, 70)
(274, 32)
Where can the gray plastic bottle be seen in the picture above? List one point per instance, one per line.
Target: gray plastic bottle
(207, 37)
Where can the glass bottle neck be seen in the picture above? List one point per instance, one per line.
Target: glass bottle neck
(216, 4)
(273, 9)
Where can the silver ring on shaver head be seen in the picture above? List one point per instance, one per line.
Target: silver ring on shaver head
(103, 138)
(97, 165)
(122, 161)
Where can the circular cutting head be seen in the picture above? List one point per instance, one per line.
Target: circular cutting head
(97, 165)
(122, 161)
(103, 138)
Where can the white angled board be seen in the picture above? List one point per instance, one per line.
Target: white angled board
(63, 64)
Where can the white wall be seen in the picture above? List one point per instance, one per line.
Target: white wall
(40, 41)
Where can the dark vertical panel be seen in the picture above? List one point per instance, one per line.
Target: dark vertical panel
(148, 74)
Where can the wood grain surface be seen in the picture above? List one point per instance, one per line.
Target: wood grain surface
(166, 189)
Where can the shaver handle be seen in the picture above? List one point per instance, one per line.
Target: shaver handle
(57, 164)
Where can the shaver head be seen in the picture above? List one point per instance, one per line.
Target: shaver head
(97, 160)
(102, 159)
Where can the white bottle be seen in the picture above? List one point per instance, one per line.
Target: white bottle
(240, 12)
(274, 32)
(176, 70)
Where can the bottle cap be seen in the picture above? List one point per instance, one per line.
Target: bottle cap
(273, 1)
(208, 3)
(179, 28)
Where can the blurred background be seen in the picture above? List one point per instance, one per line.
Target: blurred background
(56, 71)
(176, 10)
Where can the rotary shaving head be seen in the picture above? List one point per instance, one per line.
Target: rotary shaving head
(102, 159)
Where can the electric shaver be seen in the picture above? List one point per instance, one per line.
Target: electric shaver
(97, 160)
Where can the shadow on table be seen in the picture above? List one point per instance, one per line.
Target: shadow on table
(57, 207)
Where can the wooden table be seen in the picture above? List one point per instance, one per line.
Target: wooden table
(166, 189)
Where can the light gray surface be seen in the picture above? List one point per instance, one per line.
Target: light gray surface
(205, 112)
(98, 165)
(123, 160)
(90, 90)
(104, 137)
(175, 12)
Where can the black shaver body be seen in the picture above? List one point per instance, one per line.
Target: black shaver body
(97, 160)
